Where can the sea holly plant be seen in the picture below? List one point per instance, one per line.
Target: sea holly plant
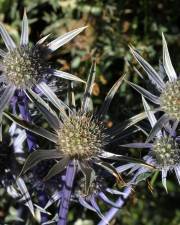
(24, 66)
(81, 142)
(167, 84)
(164, 150)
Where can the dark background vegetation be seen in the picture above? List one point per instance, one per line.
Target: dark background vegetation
(112, 26)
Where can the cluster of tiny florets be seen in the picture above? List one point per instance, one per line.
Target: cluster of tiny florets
(81, 137)
(170, 99)
(24, 66)
(166, 152)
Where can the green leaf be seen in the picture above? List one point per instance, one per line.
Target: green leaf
(38, 156)
(57, 168)
(89, 175)
(33, 128)
(143, 177)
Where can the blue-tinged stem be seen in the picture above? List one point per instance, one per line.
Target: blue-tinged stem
(66, 193)
(23, 108)
(22, 102)
(113, 211)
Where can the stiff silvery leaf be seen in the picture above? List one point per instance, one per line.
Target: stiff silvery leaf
(109, 97)
(167, 62)
(62, 40)
(57, 168)
(88, 89)
(25, 194)
(157, 127)
(48, 113)
(24, 33)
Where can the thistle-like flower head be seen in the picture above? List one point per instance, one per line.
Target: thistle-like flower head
(166, 152)
(24, 67)
(168, 91)
(81, 137)
(170, 99)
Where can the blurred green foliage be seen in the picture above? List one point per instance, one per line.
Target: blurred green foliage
(112, 26)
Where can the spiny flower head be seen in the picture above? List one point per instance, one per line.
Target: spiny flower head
(168, 98)
(166, 152)
(81, 137)
(24, 67)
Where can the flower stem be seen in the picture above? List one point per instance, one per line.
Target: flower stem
(66, 193)
(23, 108)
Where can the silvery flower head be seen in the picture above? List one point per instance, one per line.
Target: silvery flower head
(167, 84)
(24, 67)
(164, 149)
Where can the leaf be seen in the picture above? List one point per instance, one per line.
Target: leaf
(167, 62)
(143, 177)
(26, 196)
(66, 76)
(89, 88)
(38, 156)
(152, 74)
(44, 108)
(61, 106)
(57, 168)
(6, 97)
(7, 39)
(89, 175)
(55, 197)
(2, 53)
(71, 97)
(109, 155)
(150, 114)
(33, 128)
(24, 33)
(109, 97)
(116, 130)
(65, 38)
(145, 93)
(157, 127)
(42, 40)
(111, 169)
